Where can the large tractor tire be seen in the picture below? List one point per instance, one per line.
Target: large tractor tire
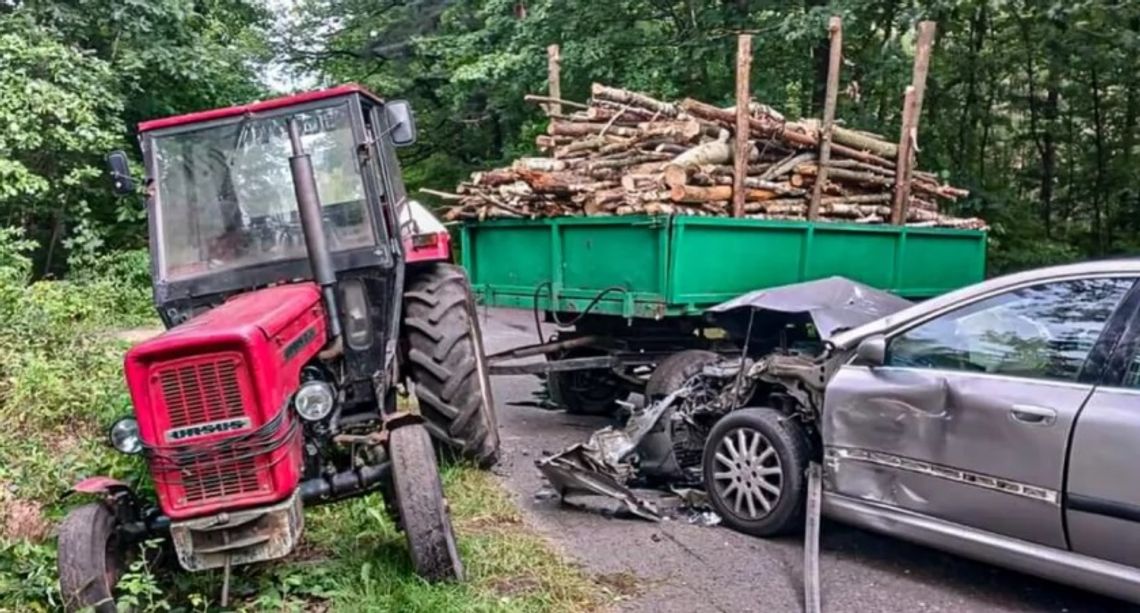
(422, 509)
(445, 353)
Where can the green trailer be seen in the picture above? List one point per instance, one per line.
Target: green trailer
(628, 291)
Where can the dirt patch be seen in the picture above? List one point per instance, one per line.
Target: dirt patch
(623, 584)
(21, 520)
(136, 335)
(485, 524)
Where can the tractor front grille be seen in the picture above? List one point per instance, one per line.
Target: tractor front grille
(202, 391)
(205, 390)
(222, 478)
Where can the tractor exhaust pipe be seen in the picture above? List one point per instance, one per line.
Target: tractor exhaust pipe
(309, 205)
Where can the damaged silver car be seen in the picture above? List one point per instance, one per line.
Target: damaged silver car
(998, 421)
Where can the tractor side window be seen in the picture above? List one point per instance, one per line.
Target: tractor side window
(1042, 332)
(225, 194)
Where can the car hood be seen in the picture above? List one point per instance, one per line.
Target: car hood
(834, 304)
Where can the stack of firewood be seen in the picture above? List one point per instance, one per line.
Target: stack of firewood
(626, 153)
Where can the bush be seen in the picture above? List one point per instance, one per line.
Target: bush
(61, 384)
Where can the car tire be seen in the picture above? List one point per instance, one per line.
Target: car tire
(445, 353)
(754, 471)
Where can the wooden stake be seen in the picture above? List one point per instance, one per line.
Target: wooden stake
(835, 31)
(912, 110)
(906, 155)
(922, 62)
(743, 107)
(554, 78)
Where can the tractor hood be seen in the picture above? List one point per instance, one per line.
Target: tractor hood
(265, 313)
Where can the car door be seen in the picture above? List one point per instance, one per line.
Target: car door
(968, 419)
(1102, 493)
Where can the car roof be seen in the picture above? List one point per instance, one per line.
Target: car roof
(257, 107)
(1093, 268)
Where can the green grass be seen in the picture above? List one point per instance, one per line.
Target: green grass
(61, 385)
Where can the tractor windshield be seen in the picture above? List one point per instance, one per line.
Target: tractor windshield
(224, 194)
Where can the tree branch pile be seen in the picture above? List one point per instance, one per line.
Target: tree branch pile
(626, 153)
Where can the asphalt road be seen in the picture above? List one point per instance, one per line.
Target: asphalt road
(677, 566)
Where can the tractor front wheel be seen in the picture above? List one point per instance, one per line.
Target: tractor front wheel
(423, 512)
(91, 559)
(445, 353)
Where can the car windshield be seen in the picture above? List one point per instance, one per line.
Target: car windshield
(224, 194)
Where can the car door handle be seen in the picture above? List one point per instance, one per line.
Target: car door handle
(1033, 415)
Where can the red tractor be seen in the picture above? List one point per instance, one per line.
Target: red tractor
(300, 290)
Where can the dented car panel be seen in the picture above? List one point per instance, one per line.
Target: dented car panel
(1025, 459)
(962, 455)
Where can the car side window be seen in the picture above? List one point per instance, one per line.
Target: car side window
(1043, 331)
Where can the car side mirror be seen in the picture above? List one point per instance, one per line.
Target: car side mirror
(401, 122)
(120, 171)
(872, 351)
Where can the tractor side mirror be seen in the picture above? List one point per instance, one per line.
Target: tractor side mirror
(401, 122)
(121, 182)
(872, 351)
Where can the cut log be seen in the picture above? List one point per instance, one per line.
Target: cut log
(566, 128)
(683, 130)
(492, 178)
(693, 193)
(715, 152)
(550, 100)
(786, 165)
(633, 99)
(541, 164)
(677, 174)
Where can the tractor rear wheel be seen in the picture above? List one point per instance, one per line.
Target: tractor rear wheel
(423, 512)
(91, 560)
(445, 352)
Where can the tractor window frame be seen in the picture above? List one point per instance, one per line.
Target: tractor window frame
(262, 273)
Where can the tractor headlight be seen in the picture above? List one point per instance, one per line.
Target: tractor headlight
(314, 400)
(124, 435)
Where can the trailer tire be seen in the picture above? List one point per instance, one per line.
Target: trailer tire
(585, 392)
(421, 506)
(672, 372)
(444, 346)
(751, 446)
(90, 559)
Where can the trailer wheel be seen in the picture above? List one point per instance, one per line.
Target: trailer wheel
(753, 466)
(673, 371)
(422, 508)
(445, 351)
(91, 560)
(585, 392)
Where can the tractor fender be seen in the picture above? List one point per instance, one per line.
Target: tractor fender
(99, 485)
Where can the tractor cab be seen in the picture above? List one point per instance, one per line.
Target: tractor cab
(224, 215)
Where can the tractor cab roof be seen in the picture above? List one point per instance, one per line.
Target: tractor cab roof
(256, 107)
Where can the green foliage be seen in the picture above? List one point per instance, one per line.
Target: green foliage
(75, 78)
